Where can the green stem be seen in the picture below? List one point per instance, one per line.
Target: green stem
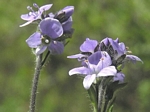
(35, 83)
(101, 95)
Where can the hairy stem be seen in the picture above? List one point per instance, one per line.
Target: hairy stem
(35, 83)
(101, 95)
(105, 105)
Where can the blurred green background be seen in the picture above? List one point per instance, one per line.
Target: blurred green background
(129, 20)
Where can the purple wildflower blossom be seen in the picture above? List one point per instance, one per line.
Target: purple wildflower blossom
(98, 65)
(34, 15)
(50, 29)
(117, 50)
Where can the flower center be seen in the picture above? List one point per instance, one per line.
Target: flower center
(45, 39)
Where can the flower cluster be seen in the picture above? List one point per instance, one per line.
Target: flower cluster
(52, 28)
(102, 59)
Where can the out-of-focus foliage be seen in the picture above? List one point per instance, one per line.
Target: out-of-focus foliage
(127, 19)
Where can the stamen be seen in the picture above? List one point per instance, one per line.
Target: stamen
(30, 8)
(55, 42)
(127, 47)
(32, 11)
(129, 51)
(35, 5)
(42, 37)
(102, 59)
(86, 61)
(46, 41)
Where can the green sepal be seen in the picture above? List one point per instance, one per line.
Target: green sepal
(93, 96)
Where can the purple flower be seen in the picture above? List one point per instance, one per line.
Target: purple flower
(113, 47)
(98, 65)
(34, 15)
(87, 48)
(53, 29)
(117, 51)
(50, 29)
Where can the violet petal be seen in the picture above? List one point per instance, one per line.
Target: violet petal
(107, 71)
(132, 58)
(34, 40)
(40, 49)
(27, 17)
(68, 10)
(76, 56)
(122, 47)
(119, 77)
(95, 58)
(51, 27)
(88, 80)
(105, 41)
(45, 8)
(88, 45)
(79, 70)
(67, 24)
(56, 47)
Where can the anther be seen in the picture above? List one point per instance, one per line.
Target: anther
(127, 47)
(55, 42)
(30, 8)
(102, 59)
(86, 61)
(35, 5)
(129, 52)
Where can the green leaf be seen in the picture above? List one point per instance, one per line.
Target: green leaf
(111, 108)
